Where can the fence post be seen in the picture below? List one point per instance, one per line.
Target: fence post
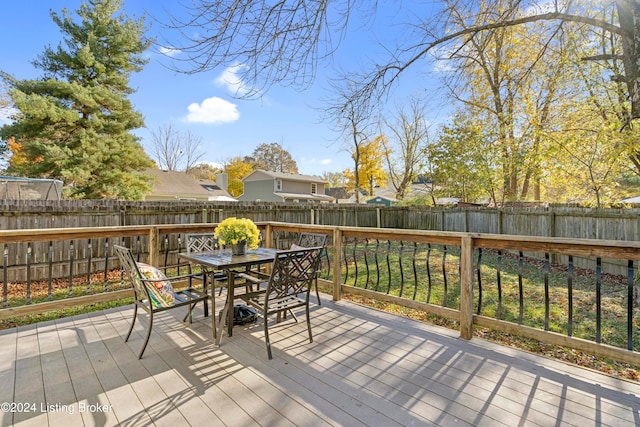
(154, 246)
(378, 221)
(466, 292)
(337, 264)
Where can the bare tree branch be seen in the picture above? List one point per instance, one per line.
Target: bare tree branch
(277, 42)
(175, 151)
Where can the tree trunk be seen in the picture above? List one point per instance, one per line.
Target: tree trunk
(629, 17)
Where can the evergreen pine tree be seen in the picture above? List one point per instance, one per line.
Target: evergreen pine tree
(74, 123)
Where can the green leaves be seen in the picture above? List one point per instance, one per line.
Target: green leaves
(75, 122)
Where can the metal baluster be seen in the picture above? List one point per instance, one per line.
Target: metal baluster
(355, 262)
(400, 252)
(428, 273)
(479, 281)
(444, 275)
(415, 270)
(388, 267)
(106, 264)
(570, 296)
(50, 270)
(138, 248)
(90, 250)
(546, 291)
(325, 253)
(377, 265)
(179, 249)
(166, 249)
(630, 305)
(520, 290)
(28, 296)
(499, 283)
(122, 282)
(598, 300)
(5, 276)
(366, 262)
(344, 259)
(71, 259)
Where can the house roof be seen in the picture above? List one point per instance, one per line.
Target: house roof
(179, 185)
(631, 200)
(286, 176)
(337, 192)
(304, 196)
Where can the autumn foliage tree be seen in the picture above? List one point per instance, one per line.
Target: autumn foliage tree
(236, 169)
(370, 172)
(406, 149)
(74, 124)
(273, 157)
(510, 54)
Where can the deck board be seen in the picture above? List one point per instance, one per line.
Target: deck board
(364, 368)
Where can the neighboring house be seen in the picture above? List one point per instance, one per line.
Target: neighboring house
(339, 194)
(381, 200)
(268, 186)
(447, 201)
(631, 200)
(172, 185)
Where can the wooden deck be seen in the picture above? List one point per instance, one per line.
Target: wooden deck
(364, 368)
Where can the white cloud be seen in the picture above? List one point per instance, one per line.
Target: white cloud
(441, 55)
(314, 161)
(170, 52)
(212, 110)
(231, 81)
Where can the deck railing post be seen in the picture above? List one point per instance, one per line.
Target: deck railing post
(154, 246)
(337, 264)
(268, 236)
(466, 291)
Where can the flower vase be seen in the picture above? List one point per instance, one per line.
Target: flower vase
(239, 248)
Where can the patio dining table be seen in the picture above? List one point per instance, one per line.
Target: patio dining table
(231, 265)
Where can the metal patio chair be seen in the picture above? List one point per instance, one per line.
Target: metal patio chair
(204, 242)
(311, 240)
(292, 273)
(153, 292)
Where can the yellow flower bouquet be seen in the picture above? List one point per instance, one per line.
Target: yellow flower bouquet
(233, 231)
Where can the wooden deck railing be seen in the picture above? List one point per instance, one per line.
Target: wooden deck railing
(482, 280)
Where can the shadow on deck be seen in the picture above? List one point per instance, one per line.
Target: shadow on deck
(364, 368)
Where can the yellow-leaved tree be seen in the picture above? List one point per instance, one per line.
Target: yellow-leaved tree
(236, 169)
(369, 157)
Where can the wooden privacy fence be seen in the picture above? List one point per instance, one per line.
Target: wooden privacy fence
(555, 221)
(475, 279)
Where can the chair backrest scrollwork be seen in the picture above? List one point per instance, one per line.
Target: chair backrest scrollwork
(293, 272)
(128, 263)
(203, 242)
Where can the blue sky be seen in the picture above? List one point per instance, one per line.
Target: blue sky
(202, 103)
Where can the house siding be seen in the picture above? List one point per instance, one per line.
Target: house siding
(261, 185)
(259, 190)
(300, 187)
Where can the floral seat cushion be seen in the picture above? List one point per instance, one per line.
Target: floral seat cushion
(161, 292)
